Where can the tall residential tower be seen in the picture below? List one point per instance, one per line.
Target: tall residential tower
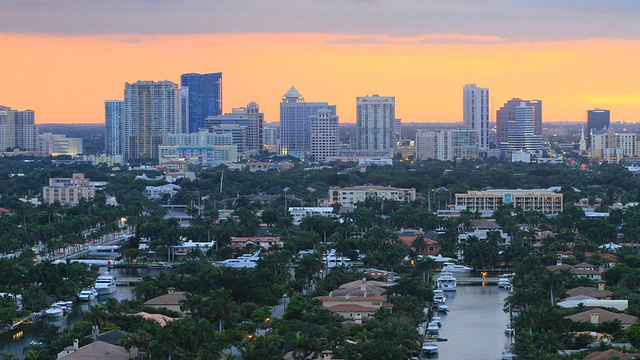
(476, 113)
(114, 127)
(376, 123)
(201, 96)
(151, 111)
(597, 119)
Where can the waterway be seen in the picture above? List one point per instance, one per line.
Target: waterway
(475, 324)
(15, 343)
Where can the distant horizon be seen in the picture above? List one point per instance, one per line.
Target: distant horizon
(67, 59)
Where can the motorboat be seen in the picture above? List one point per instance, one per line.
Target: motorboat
(504, 282)
(160, 265)
(438, 296)
(64, 304)
(508, 355)
(451, 267)
(437, 320)
(440, 308)
(245, 261)
(106, 284)
(331, 260)
(55, 311)
(446, 282)
(433, 326)
(509, 330)
(429, 348)
(88, 294)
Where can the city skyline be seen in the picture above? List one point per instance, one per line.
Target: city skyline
(572, 63)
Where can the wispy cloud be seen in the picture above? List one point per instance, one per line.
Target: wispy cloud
(416, 40)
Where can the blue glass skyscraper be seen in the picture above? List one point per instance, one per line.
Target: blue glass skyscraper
(201, 97)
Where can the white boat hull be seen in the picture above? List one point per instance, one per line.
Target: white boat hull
(54, 313)
(107, 290)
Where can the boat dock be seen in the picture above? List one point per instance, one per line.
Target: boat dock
(128, 281)
(476, 280)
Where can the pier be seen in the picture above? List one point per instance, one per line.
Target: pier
(475, 280)
(128, 281)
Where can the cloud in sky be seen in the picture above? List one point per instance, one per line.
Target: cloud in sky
(515, 20)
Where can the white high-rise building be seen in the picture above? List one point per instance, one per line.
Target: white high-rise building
(375, 123)
(447, 145)
(114, 127)
(325, 140)
(521, 134)
(18, 129)
(151, 111)
(476, 113)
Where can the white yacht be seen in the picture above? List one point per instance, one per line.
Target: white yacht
(451, 267)
(244, 261)
(438, 296)
(446, 282)
(88, 294)
(437, 320)
(106, 284)
(429, 348)
(332, 260)
(55, 311)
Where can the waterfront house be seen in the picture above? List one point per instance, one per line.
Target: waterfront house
(599, 315)
(408, 236)
(357, 300)
(611, 354)
(173, 300)
(258, 242)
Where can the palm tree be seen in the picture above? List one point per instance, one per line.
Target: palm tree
(419, 244)
(555, 281)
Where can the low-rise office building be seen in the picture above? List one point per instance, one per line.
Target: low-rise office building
(349, 196)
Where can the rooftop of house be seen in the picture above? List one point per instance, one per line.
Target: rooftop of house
(603, 315)
(159, 318)
(99, 350)
(172, 298)
(113, 336)
(611, 354)
(590, 292)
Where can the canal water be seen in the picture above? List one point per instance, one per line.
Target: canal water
(475, 324)
(15, 343)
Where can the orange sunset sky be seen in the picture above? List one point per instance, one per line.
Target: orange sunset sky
(65, 72)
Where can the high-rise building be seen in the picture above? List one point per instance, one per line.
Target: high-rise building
(114, 127)
(508, 113)
(18, 130)
(249, 117)
(270, 135)
(447, 145)
(295, 125)
(597, 119)
(476, 112)
(325, 140)
(59, 144)
(521, 136)
(375, 123)
(151, 111)
(202, 96)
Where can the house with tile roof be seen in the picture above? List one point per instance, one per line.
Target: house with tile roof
(599, 315)
(173, 300)
(408, 236)
(357, 300)
(591, 292)
(580, 270)
(612, 354)
(98, 350)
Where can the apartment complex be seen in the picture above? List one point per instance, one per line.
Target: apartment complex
(447, 145)
(325, 139)
(200, 97)
(151, 111)
(476, 112)
(541, 200)
(18, 130)
(376, 123)
(609, 146)
(68, 191)
(114, 127)
(349, 196)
